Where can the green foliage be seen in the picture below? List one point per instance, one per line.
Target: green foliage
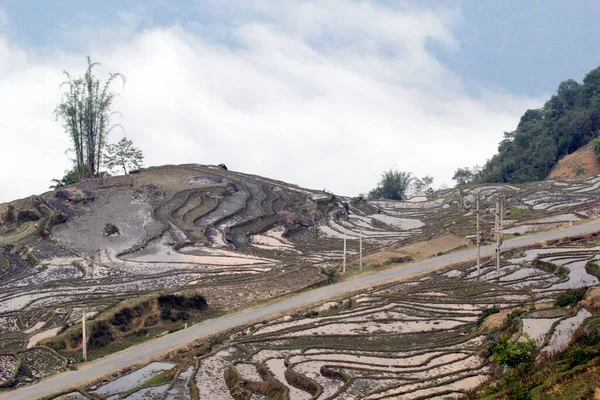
(71, 176)
(597, 147)
(571, 296)
(86, 110)
(123, 155)
(393, 185)
(579, 170)
(50, 221)
(515, 353)
(101, 335)
(593, 268)
(26, 216)
(566, 122)
(9, 216)
(486, 313)
(578, 355)
(330, 274)
(178, 302)
(464, 176)
(422, 186)
(123, 317)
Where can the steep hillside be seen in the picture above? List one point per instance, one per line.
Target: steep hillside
(566, 122)
(232, 238)
(581, 164)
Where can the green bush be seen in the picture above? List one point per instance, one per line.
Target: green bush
(9, 217)
(330, 274)
(593, 268)
(571, 296)
(123, 317)
(596, 147)
(577, 355)
(515, 353)
(101, 335)
(168, 301)
(26, 216)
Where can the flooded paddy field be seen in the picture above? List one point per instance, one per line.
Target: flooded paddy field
(239, 240)
(393, 341)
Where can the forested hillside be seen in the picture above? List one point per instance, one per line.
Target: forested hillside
(566, 122)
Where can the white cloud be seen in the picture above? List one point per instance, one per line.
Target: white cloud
(322, 94)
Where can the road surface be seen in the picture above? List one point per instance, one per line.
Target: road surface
(137, 354)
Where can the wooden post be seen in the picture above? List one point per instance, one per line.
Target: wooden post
(84, 337)
(360, 250)
(344, 269)
(497, 226)
(478, 243)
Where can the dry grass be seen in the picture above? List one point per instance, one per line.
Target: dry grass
(417, 251)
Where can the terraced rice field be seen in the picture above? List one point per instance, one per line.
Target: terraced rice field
(416, 339)
(240, 239)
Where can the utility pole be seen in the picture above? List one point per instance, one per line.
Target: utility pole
(360, 249)
(344, 269)
(84, 337)
(478, 243)
(498, 233)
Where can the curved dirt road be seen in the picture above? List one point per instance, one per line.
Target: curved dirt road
(133, 355)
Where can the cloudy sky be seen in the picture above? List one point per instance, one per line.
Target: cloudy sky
(324, 93)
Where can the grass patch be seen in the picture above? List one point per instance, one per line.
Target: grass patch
(518, 212)
(570, 297)
(4, 264)
(593, 269)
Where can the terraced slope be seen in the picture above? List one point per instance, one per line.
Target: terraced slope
(423, 338)
(237, 239)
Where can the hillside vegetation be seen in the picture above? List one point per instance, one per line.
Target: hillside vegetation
(566, 122)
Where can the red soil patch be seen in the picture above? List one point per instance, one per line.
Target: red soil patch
(583, 161)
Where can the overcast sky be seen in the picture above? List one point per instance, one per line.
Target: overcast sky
(325, 94)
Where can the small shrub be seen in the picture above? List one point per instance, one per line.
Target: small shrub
(197, 302)
(101, 335)
(123, 317)
(165, 314)
(579, 170)
(168, 301)
(151, 321)
(9, 216)
(330, 274)
(577, 355)
(26, 216)
(596, 143)
(571, 296)
(593, 268)
(310, 314)
(182, 316)
(515, 353)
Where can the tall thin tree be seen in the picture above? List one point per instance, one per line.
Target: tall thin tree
(86, 111)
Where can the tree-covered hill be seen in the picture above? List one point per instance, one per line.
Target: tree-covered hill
(566, 122)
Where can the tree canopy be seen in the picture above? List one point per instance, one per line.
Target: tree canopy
(398, 185)
(86, 110)
(393, 185)
(123, 155)
(566, 122)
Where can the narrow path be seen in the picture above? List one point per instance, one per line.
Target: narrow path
(133, 355)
